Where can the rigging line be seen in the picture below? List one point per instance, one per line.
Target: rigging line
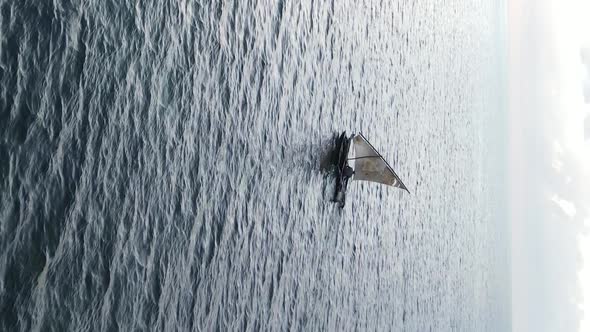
(365, 157)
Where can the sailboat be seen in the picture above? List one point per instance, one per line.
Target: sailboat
(358, 160)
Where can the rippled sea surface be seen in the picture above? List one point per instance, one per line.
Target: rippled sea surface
(164, 165)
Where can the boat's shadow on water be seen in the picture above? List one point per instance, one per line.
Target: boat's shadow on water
(321, 156)
(306, 163)
(328, 156)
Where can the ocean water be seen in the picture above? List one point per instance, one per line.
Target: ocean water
(164, 165)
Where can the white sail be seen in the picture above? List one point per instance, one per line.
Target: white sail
(369, 165)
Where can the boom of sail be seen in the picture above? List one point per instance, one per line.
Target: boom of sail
(369, 165)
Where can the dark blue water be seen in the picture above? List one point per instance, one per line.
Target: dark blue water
(163, 166)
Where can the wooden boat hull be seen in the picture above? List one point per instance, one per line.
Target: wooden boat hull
(343, 147)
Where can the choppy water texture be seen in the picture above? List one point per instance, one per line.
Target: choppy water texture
(162, 165)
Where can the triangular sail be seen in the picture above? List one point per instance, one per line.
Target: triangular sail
(369, 165)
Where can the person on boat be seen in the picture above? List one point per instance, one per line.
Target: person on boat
(348, 172)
